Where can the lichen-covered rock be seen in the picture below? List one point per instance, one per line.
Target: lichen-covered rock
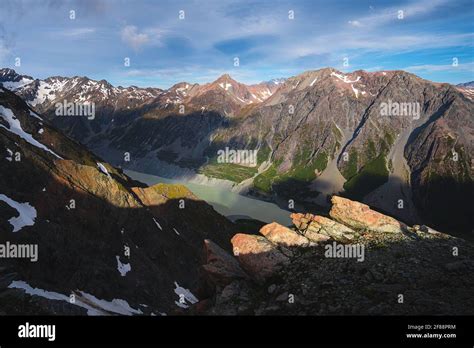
(301, 221)
(320, 229)
(283, 236)
(360, 216)
(331, 228)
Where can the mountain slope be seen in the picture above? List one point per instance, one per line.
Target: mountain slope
(111, 241)
(336, 127)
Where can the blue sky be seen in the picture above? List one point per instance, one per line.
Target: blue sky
(164, 49)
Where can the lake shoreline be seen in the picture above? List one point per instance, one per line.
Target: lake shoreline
(221, 197)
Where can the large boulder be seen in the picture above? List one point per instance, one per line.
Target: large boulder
(335, 230)
(221, 268)
(360, 216)
(257, 256)
(283, 236)
(319, 229)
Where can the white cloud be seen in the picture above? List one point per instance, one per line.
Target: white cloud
(191, 74)
(135, 39)
(441, 67)
(355, 23)
(369, 42)
(387, 15)
(77, 32)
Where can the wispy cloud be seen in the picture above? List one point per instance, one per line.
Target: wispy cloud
(268, 43)
(388, 15)
(355, 23)
(186, 73)
(5, 44)
(371, 42)
(136, 39)
(4, 53)
(78, 32)
(469, 66)
(133, 38)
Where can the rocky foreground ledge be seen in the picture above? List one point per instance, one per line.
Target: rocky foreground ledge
(356, 261)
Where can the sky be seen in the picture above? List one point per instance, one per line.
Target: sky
(196, 41)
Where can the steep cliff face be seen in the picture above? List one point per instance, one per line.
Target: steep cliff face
(118, 246)
(440, 155)
(356, 261)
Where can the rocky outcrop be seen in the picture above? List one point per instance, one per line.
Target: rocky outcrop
(382, 266)
(258, 256)
(283, 236)
(360, 216)
(263, 257)
(319, 229)
(220, 266)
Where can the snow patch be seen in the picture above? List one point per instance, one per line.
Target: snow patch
(123, 268)
(356, 91)
(13, 86)
(15, 128)
(312, 83)
(117, 306)
(344, 78)
(93, 305)
(44, 90)
(225, 86)
(242, 101)
(34, 114)
(157, 224)
(103, 169)
(27, 213)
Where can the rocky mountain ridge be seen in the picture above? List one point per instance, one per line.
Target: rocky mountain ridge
(317, 134)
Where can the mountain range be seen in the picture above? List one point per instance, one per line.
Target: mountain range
(317, 134)
(109, 245)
